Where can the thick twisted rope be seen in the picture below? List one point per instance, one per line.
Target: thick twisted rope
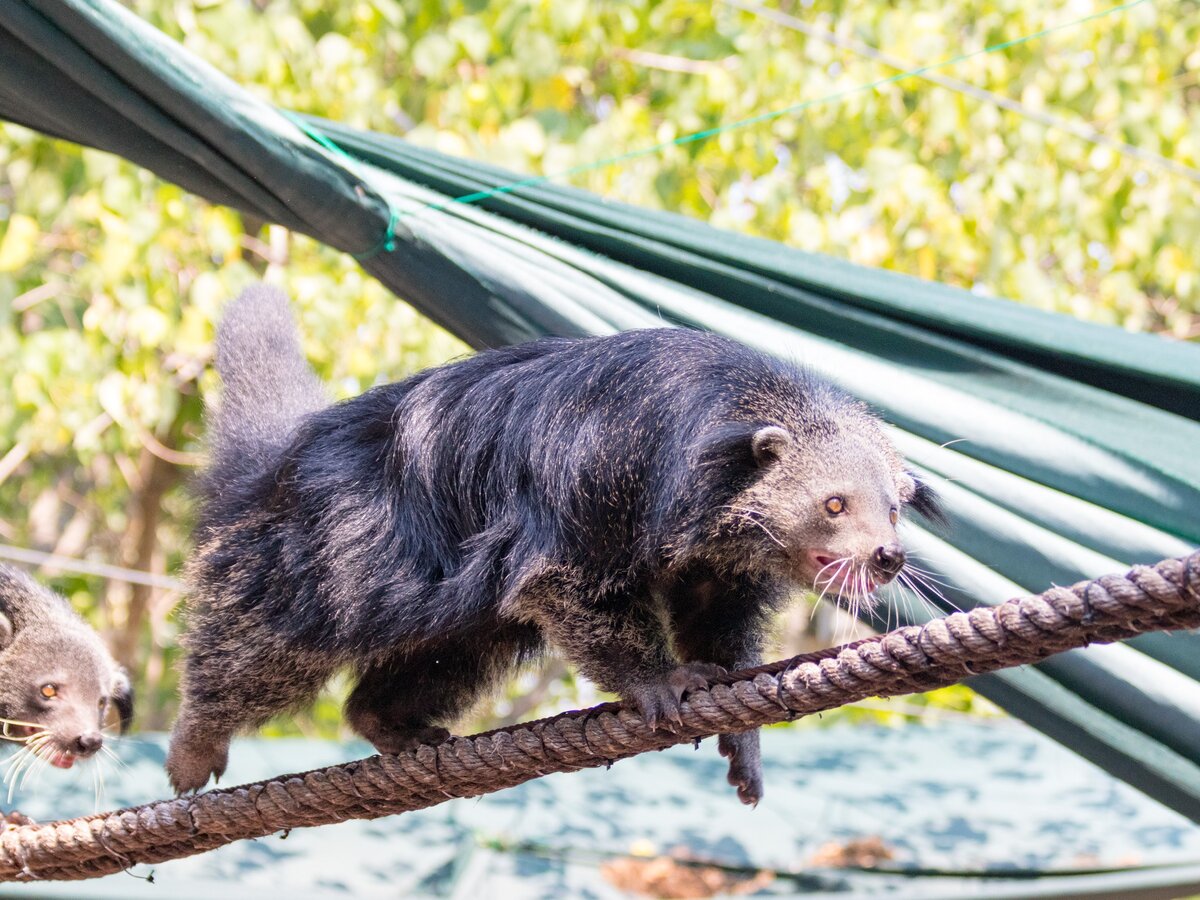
(1148, 598)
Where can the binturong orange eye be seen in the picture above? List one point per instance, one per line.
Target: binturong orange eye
(894, 515)
(49, 691)
(835, 506)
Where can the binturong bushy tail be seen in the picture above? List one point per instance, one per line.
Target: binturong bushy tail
(268, 386)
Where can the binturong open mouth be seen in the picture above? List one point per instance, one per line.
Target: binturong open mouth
(836, 575)
(853, 581)
(844, 574)
(39, 742)
(60, 758)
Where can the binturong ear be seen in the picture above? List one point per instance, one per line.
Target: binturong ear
(122, 697)
(922, 499)
(6, 631)
(769, 444)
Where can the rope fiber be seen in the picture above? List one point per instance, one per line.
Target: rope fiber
(1162, 597)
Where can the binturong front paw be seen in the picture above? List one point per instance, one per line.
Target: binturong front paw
(14, 819)
(745, 764)
(191, 761)
(659, 700)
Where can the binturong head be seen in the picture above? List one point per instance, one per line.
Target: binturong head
(58, 682)
(823, 504)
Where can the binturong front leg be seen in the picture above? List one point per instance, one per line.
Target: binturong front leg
(723, 622)
(620, 641)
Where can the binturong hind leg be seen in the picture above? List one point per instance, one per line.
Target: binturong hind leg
(226, 691)
(722, 621)
(410, 698)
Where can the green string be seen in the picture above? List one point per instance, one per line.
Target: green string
(388, 242)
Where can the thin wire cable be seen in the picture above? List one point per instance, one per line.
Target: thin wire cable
(477, 196)
(1049, 120)
(84, 567)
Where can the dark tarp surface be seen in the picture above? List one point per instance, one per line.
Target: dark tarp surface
(1075, 445)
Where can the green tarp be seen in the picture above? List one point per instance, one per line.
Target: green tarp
(1074, 445)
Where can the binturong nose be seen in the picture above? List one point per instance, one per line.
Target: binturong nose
(87, 743)
(888, 559)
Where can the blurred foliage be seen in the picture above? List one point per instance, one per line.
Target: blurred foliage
(110, 279)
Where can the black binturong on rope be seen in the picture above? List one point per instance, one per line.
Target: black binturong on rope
(1162, 597)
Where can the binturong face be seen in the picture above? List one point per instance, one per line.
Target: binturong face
(58, 683)
(58, 695)
(824, 510)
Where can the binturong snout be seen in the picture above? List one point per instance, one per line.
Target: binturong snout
(66, 751)
(87, 743)
(887, 561)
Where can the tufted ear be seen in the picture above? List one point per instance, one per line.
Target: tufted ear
(769, 444)
(925, 501)
(6, 631)
(122, 698)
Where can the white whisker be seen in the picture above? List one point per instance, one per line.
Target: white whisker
(836, 576)
(933, 589)
(931, 576)
(903, 594)
(98, 786)
(939, 577)
(110, 734)
(36, 771)
(913, 590)
(41, 761)
(817, 577)
(14, 766)
(12, 760)
(746, 514)
(23, 761)
(918, 590)
(23, 758)
(6, 726)
(107, 751)
(853, 601)
(837, 628)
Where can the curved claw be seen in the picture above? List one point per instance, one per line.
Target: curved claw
(745, 765)
(190, 763)
(399, 739)
(16, 819)
(660, 701)
(694, 676)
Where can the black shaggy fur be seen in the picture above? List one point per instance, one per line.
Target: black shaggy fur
(642, 501)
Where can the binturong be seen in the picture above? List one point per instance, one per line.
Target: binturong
(641, 502)
(58, 682)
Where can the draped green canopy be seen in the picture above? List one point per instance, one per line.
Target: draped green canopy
(1063, 449)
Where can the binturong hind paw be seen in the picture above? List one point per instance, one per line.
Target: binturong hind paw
(398, 740)
(745, 764)
(390, 737)
(660, 700)
(192, 761)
